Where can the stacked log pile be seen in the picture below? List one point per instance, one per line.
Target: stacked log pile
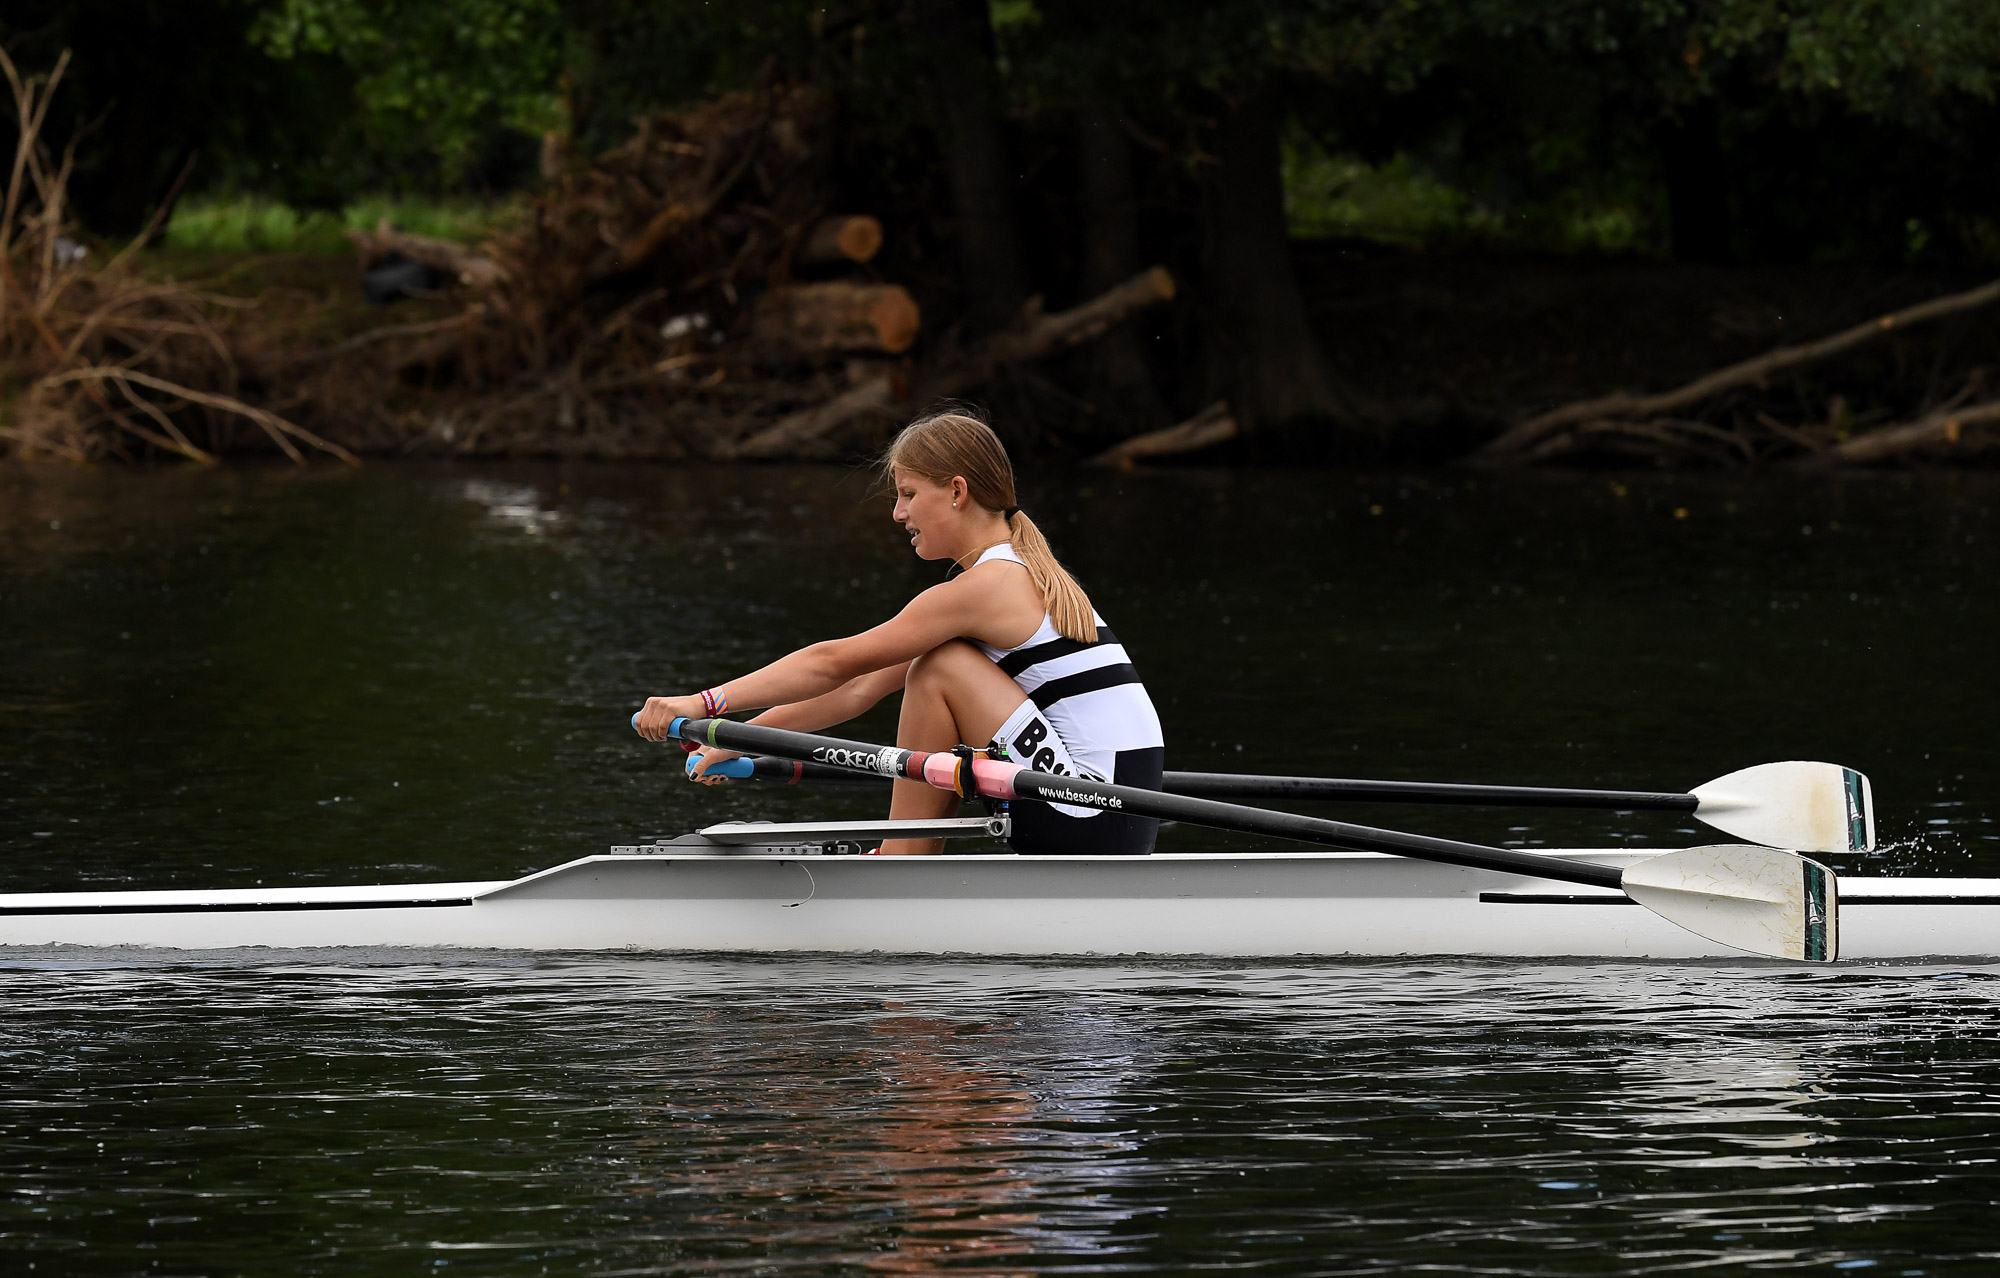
(674, 297)
(685, 291)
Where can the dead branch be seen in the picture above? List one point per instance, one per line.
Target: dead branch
(1656, 440)
(161, 211)
(1623, 404)
(465, 265)
(388, 332)
(1211, 426)
(1946, 426)
(272, 424)
(1038, 336)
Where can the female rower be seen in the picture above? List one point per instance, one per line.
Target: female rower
(1007, 652)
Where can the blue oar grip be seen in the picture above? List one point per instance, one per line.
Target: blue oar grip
(673, 729)
(740, 768)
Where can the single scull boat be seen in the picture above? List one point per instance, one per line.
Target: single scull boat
(761, 888)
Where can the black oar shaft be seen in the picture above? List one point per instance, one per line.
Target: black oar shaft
(1236, 785)
(1305, 829)
(893, 761)
(1229, 785)
(792, 772)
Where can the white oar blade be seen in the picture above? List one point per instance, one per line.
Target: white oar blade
(1814, 807)
(1768, 902)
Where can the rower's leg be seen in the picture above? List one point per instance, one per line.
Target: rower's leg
(953, 696)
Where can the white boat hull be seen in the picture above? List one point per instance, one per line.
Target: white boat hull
(1280, 904)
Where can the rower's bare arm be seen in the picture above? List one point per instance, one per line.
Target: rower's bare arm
(852, 698)
(855, 697)
(938, 615)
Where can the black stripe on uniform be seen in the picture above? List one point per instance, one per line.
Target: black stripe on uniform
(1021, 658)
(1083, 681)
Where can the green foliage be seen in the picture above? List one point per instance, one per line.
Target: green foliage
(436, 75)
(1397, 202)
(1842, 124)
(254, 224)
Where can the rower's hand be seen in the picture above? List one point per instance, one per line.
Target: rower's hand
(706, 759)
(659, 714)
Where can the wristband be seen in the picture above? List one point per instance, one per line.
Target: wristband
(714, 703)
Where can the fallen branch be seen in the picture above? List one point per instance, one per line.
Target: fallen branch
(1212, 425)
(1624, 404)
(1651, 439)
(387, 332)
(1037, 337)
(462, 264)
(272, 424)
(1946, 426)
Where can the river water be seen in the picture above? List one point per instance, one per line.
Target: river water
(424, 672)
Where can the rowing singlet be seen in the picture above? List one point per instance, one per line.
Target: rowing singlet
(1086, 713)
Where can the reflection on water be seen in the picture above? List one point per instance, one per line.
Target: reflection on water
(426, 672)
(362, 1113)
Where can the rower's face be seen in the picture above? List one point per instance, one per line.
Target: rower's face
(925, 511)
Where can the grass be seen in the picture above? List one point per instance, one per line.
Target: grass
(252, 224)
(1329, 195)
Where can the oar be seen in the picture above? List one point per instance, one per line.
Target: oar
(762, 767)
(1808, 807)
(1811, 807)
(1757, 899)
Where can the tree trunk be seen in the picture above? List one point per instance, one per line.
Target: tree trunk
(1697, 193)
(1278, 371)
(960, 36)
(1119, 382)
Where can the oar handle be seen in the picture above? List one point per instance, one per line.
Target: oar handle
(754, 767)
(784, 771)
(1228, 785)
(996, 780)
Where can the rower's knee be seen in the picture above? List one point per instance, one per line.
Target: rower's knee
(942, 666)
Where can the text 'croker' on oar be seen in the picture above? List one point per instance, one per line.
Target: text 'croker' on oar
(1808, 807)
(1803, 806)
(1757, 899)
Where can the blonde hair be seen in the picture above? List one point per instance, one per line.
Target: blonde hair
(955, 443)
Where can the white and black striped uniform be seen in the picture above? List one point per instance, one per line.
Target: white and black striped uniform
(1086, 714)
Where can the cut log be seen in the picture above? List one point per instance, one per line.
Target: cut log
(1623, 404)
(819, 319)
(465, 265)
(835, 241)
(1037, 336)
(1212, 425)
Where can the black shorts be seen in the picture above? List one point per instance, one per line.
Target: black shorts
(1040, 830)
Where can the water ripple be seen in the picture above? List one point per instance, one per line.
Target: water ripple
(345, 1113)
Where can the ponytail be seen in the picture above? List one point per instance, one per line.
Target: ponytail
(955, 443)
(1069, 608)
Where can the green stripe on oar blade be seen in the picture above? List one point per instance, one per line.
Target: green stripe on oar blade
(1860, 811)
(1748, 897)
(1752, 898)
(1813, 807)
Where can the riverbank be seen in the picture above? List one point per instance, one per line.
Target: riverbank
(1447, 349)
(694, 293)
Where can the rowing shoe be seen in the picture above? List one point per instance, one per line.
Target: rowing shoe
(1761, 900)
